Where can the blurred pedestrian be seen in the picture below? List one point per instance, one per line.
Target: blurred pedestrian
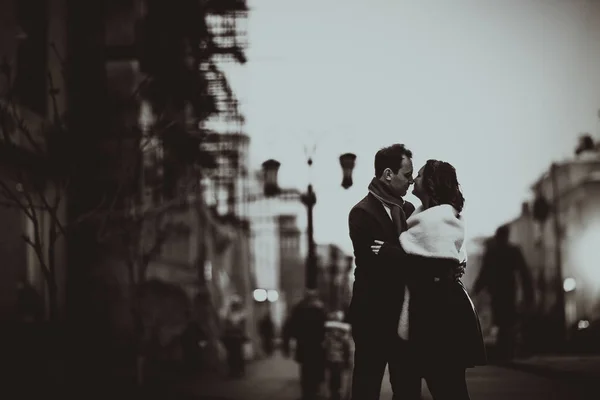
(193, 343)
(306, 325)
(266, 328)
(337, 352)
(501, 263)
(234, 336)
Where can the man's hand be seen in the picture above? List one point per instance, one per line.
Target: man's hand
(377, 246)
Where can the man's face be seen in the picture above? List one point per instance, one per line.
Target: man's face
(401, 181)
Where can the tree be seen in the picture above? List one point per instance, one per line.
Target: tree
(38, 167)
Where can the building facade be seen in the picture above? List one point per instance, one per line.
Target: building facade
(292, 263)
(560, 248)
(568, 237)
(333, 281)
(278, 244)
(227, 185)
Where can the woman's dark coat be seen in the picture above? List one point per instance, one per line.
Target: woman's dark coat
(444, 326)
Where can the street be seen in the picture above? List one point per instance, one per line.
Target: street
(277, 379)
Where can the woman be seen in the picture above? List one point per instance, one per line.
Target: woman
(438, 318)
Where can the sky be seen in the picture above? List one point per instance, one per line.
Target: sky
(498, 88)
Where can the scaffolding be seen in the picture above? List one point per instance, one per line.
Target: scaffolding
(227, 142)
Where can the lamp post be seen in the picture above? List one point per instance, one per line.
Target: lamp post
(309, 199)
(334, 288)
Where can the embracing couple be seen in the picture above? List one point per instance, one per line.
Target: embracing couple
(409, 309)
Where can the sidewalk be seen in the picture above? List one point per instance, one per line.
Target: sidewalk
(275, 378)
(572, 367)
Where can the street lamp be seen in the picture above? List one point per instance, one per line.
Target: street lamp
(569, 285)
(270, 171)
(272, 295)
(347, 161)
(260, 295)
(309, 199)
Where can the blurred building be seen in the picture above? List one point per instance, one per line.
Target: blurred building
(292, 261)
(108, 50)
(277, 226)
(576, 193)
(227, 185)
(333, 281)
(189, 244)
(572, 187)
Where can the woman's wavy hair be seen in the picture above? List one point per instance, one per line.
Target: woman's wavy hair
(441, 184)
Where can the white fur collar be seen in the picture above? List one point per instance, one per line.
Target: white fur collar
(436, 232)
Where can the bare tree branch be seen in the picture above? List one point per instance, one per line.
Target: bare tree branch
(24, 129)
(53, 92)
(8, 194)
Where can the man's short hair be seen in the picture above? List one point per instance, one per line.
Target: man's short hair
(390, 157)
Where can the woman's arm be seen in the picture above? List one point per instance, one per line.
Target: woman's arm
(397, 254)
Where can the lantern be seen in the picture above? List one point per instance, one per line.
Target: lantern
(270, 170)
(347, 161)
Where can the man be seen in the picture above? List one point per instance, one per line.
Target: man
(501, 262)
(306, 325)
(378, 290)
(193, 344)
(266, 329)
